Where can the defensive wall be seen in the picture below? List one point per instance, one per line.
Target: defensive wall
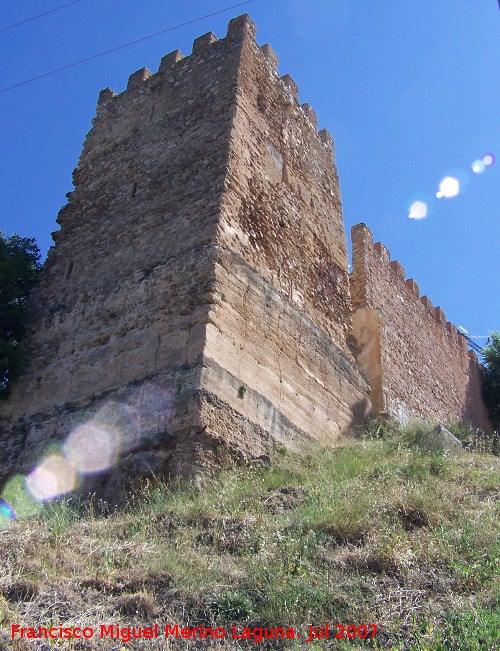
(196, 301)
(196, 305)
(418, 364)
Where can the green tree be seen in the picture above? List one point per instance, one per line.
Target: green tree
(491, 385)
(19, 265)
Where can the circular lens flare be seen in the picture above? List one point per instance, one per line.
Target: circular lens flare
(6, 509)
(154, 405)
(478, 166)
(54, 477)
(93, 447)
(125, 422)
(488, 159)
(16, 494)
(418, 210)
(449, 187)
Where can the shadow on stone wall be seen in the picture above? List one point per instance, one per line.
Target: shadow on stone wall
(475, 410)
(360, 410)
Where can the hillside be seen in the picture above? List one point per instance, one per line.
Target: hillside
(371, 532)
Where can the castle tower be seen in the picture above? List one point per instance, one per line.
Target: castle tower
(197, 296)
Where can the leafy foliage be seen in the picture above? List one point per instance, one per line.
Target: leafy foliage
(491, 386)
(231, 606)
(19, 265)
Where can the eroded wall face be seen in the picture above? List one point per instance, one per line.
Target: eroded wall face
(282, 211)
(282, 311)
(418, 364)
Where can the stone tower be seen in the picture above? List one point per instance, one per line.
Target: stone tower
(196, 300)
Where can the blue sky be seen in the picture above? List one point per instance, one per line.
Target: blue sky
(409, 90)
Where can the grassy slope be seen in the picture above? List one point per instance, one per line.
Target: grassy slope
(371, 532)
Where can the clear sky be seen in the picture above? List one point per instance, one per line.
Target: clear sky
(409, 90)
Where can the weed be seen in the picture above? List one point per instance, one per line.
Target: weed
(60, 516)
(231, 606)
(475, 439)
(468, 630)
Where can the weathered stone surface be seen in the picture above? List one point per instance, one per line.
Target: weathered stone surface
(196, 306)
(271, 56)
(197, 297)
(441, 441)
(417, 363)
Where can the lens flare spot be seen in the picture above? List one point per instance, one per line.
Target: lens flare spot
(418, 210)
(6, 510)
(53, 477)
(449, 187)
(15, 493)
(7, 514)
(125, 422)
(478, 166)
(93, 447)
(488, 159)
(154, 404)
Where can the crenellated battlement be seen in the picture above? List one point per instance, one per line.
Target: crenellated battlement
(310, 113)
(270, 56)
(239, 28)
(418, 363)
(138, 77)
(290, 86)
(105, 95)
(169, 60)
(413, 287)
(202, 43)
(362, 238)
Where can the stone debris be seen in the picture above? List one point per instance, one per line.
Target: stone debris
(441, 441)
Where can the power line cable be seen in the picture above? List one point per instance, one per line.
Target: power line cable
(28, 20)
(120, 47)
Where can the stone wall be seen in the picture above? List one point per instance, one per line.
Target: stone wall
(197, 295)
(282, 308)
(418, 364)
(123, 297)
